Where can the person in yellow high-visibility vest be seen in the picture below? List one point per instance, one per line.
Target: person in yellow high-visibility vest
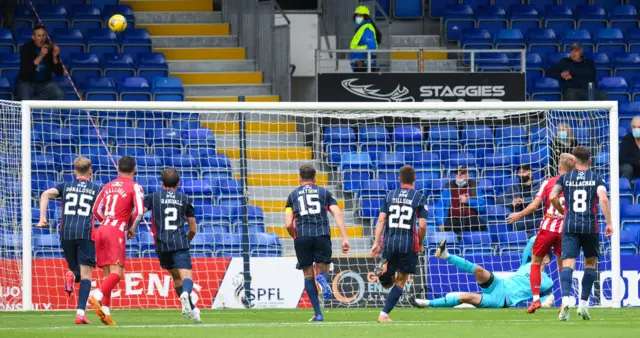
(367, 37)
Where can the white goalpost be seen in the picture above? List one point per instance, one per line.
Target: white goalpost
(245, 165)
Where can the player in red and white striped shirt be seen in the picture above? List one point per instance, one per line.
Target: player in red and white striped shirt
(550, 230)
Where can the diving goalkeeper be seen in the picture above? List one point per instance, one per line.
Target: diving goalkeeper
(496, 292)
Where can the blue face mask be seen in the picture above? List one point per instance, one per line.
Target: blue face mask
(636, 132)
(359, 20)
(461, 182)
(563, 134)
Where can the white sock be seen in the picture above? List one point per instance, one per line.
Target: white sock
(80, 312)
(185, 294)
(106, 310)
(383, 314)
(536, 298)
(566, 300)
(584, 303)
(97, 294)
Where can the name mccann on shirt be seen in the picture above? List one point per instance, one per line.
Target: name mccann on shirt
(171, 201)
(80, 190)
(401, 201)
(579, 183)
(119, 191)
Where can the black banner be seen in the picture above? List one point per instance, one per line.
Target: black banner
(354, 284)
(417, 87)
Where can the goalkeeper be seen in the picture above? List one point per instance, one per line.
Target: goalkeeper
(496, 292)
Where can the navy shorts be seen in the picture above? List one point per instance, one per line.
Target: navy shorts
(572, 242)
(178, 259)
(403, 262)
(79, 252)
(312, 249)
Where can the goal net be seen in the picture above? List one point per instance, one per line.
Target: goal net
(471, 161)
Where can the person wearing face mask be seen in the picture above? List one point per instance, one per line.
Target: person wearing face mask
(462, 204)
(574, 74)
(519, 195)
(366, 37)
(564, 142)
(630, 152)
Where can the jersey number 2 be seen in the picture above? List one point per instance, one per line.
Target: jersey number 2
(400, 216)
(170, 216)
(312, 205)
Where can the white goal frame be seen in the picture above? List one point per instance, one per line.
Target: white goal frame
(27, 106)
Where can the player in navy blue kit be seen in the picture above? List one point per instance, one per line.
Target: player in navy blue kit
(581, 186)
(169, 209)
(307, 222)
(76, 229)
(402, 241)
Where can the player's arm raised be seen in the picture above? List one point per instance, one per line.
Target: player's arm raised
(553, 197)
(606, 209)
(44, 204)
(337, 214)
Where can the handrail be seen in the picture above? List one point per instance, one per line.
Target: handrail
(426, 50)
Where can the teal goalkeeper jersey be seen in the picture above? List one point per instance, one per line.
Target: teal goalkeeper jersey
(519, 288)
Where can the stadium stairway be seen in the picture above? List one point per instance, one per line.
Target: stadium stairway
(435, 57)
(200, 51)
(275, 152)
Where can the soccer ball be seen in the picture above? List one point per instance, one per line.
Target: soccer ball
(118, 23)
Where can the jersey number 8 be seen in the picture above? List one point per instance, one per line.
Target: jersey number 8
(580, 201)
(400, 216)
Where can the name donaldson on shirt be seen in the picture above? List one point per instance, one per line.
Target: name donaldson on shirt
(80, 190)
(470, 91)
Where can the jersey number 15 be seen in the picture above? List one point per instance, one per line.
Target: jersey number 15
(312, 205)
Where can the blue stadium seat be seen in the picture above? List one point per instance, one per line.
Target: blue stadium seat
(118, 66)
(387, 167)
(124, 10)
(425, 161)
(196, 187)
(6, 91)
(634, 91)
(578, 35)
(339, 140)
(603, 64)
(407, 140)
(47, 246)
(592, 18)
(10, 66)
(514, 241)
(497, 168)
(101, 41)
(23, 17)
(545, 89)
(130, 137)
(495, 62)
(433, 240)
(524, 17)
(202, 137)
(65, 83)
(633, 40)
(53, 16)
(134, 89)
(373, 140)
(265, 244)
(85, 17)
(181, 161)
(478, 243)
(83, 66)
(624, 17)
(627, 65)
(166, 88)
(409, 9)
(491, 18)
(575, 4)
(437, 8)
(134, 151)
(626, 194)
(616, 88)
(6, 41)
(151, 65)
(509, 39)
(630, 217)
(136, 41)
(456, 18)
(608, 5)
(535, 67)
(543, 5)
(560, 19)
(373, 188)
(443, 140)
(166, 137)
(100, 88)
(356, 168)
(610, 41)
(542, 41)
(228, 188)
(71, 41)
(511, 135)
(628, 243)
(476, 38)
(227, 245)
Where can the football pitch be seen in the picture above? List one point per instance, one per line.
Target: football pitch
(512, 323)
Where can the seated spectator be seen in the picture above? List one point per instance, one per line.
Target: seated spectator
(630, 152)
(521, 194)
(575, 73)
(461, 204)
(563, 142)
(38, 59)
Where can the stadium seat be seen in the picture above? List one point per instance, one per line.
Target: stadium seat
(83, 66)
(559, 19)
(71, 41)
(514, 241)
(101, 41)
(356, 168)
(542, 41)
(535, 67)
(387, 167)
(373, 140)
(511, 135)
(134, 89)
(610, 41)
(443, 140)
(407, 140)
(165, 137)
(410, 9)
(6, 41)
(624, 17)
(53, 16)
(478, 243)
(23, 17)
(100, 88)
(425, 161)
(85, 17)
(630, 217)
(151, 65)
(10, 66)
(214, 166)
(433, 240)
(575, 4)
(265, 244)
(373, 188)
(616, 88)
(495, 62)
(603, 64)
(543, 5)
(524, 17)
(47, 246)
(118, 66)
(476, 38)
(608, 5)
(509, 39)
(166, 88)
(628, 243)
(437, 8)
(627, 65)
(198, 137)
(592, 18)
(136, 41)
(6, 91)
(545, 89)
(491, 18)
(338, 140)
(456, 18)
(578, 35)
(227, 245)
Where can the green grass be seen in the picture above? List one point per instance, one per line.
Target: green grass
(339, 323)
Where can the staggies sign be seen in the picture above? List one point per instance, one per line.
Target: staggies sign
(416, 87)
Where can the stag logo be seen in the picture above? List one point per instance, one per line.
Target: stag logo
(400, 94)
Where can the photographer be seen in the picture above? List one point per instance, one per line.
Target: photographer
(38, 59)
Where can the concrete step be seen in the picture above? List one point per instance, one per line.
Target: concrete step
(429, 65)
(253, 98)
(278, 193)
(178, 17)
(359, 246)
(281, 154)
(212, 66)
(186, 29)
(277, 218)
(194, 41)
(262, 141)
(219, 78)
(169, 5)
(415, 41)
(227, 90)
(226, 123)
(203, 53)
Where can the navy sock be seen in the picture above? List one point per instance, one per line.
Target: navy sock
(566, 279)
(325, 275)
(392, 299)
(187, 285)
(83, 294)
(312, 292)
(587, 283)
(178, 290)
